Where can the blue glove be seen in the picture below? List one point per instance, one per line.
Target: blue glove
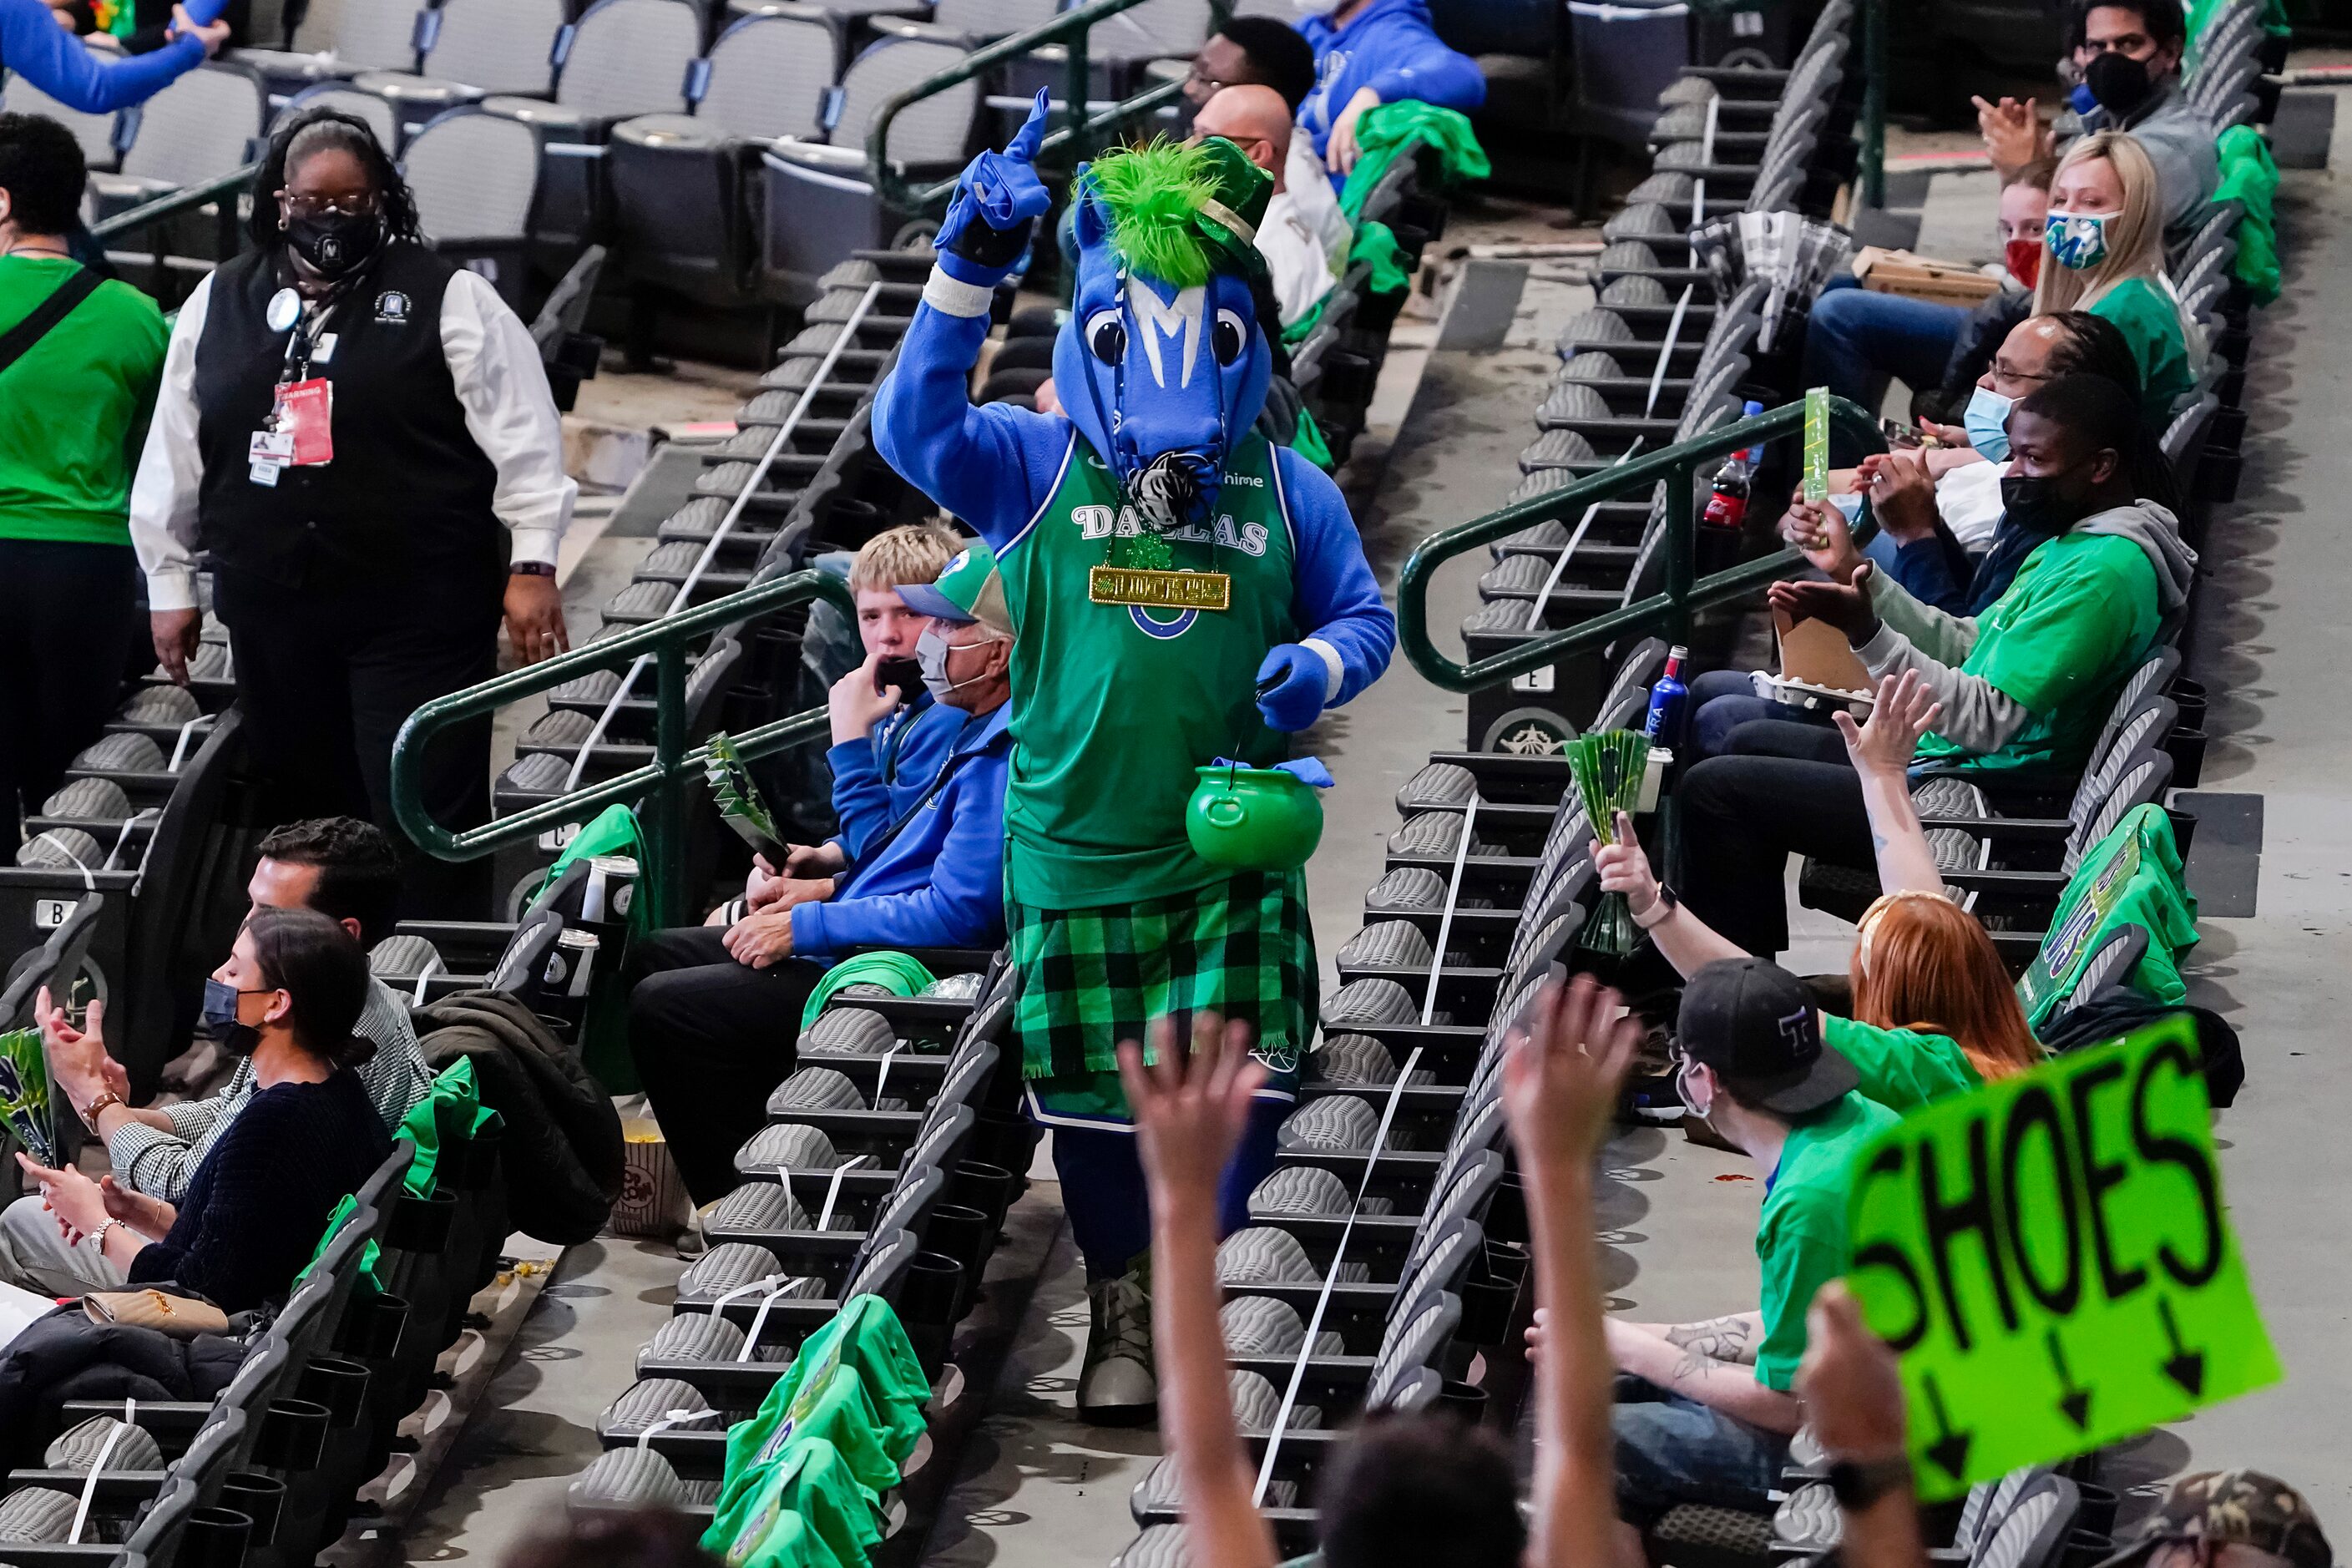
(1291, 685)
(997, 198)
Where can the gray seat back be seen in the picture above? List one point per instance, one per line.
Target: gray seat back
(1156, 29)
(95, 132)
(629, 57)
(931, 132)
(378, 34)
(498, 45)
(375, 113)
(993, 18)
(768, 76)
(474, 176)
(199, 127)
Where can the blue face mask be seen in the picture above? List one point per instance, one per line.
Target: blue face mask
(2077, 240)
(220, 1018)
(1988, 422)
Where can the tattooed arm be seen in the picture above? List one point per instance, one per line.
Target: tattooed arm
(1711, 1361)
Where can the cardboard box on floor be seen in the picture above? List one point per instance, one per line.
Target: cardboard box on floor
(1916, 278)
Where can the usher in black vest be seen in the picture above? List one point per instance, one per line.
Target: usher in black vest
(407, 497)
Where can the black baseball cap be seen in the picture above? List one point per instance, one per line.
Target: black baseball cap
(1756, 1025)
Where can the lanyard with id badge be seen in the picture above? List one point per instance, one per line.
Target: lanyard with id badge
(300, 429)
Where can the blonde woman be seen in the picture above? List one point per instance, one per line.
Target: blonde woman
(2102, 246)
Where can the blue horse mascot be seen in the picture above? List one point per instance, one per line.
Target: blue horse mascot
(1180, 591)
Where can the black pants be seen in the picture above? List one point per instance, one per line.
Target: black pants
(69, 614)
(328, 677)
(712, 1040)
(1785, 789)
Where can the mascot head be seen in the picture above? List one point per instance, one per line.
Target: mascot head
(1162, 363)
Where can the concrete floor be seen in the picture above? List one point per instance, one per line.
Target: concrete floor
(1038, 1488)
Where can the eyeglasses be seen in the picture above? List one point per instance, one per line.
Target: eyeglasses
(312, 206)
(2005, 374)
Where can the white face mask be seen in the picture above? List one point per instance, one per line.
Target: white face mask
(931, 652)
(1683, 1082)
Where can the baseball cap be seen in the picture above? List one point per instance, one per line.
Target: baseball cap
(2244, 1508)
(1755, 1024)
(969, 590)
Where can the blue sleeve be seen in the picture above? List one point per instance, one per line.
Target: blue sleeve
(1430, 73)
(1926, 569)
(860, 799)
(33, 47)
(991, 466)
(1334, 599)
(963, 905)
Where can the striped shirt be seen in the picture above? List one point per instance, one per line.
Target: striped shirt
(161, 1164)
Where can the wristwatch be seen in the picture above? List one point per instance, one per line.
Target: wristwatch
(106, 1097)
(1667, 904)
(1858, 1483)
(530, 569)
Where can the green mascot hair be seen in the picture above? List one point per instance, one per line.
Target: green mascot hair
(1156, 196)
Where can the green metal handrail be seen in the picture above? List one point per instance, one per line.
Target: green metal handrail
(1668, 612)
(1873, 103)
(665, 779)
(1078, 132)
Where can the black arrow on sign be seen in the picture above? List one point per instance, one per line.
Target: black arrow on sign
(1950, 1449)
(2075, 1402)
(2185, 1366)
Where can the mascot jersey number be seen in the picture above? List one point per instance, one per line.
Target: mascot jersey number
(1180, 590)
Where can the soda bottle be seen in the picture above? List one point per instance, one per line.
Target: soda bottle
(1668, 699)
(1727, 506)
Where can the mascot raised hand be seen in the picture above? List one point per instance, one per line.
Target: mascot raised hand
(1182, 593)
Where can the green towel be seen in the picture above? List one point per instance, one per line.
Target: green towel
(2251, 178)
(898, 973)
(1308, 443)
(2132, 876)
(1383, 133)
(451, 1112)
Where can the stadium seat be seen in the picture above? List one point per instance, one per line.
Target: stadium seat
(476, 178)
(102, 136)
(199, 129)
(365, 106)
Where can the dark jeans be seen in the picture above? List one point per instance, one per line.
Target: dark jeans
(328, 677)
(712, 1040)
(1785, 789)
(69, 614)
(1723, 699)
(1675, 1450)
(1856, 338)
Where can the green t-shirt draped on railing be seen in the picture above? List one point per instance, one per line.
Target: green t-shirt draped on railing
(1383, 133)
(335, 1223)
(451, 1110)
(899, 973)
(2250, 178)
(2132, 876)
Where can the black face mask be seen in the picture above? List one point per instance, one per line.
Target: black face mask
(2035, 505)
(336, 244)
(2119, 82)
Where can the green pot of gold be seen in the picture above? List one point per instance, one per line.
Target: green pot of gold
(1253, 819)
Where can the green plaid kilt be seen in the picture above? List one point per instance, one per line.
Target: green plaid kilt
(1091, 978)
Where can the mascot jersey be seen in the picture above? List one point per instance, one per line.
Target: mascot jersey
(1117, 697)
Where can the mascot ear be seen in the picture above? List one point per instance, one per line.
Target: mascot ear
(1093, 222)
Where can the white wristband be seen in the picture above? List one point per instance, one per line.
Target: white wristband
(954, 296)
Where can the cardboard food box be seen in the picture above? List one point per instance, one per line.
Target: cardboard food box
(1916, 278)
(1819, 670)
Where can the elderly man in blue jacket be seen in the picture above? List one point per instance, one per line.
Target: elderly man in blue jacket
(1371, 52)
(713, 1018)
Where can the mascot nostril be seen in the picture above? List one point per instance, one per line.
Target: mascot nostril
(1184, 595)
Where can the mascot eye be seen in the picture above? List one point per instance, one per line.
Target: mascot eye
(1230, 336)
(1107, 337)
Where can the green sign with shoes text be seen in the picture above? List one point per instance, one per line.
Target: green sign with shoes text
(2052, 1259)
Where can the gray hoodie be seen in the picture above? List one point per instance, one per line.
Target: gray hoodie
(1977, 714)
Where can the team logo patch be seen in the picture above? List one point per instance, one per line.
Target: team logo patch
(392, 308)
